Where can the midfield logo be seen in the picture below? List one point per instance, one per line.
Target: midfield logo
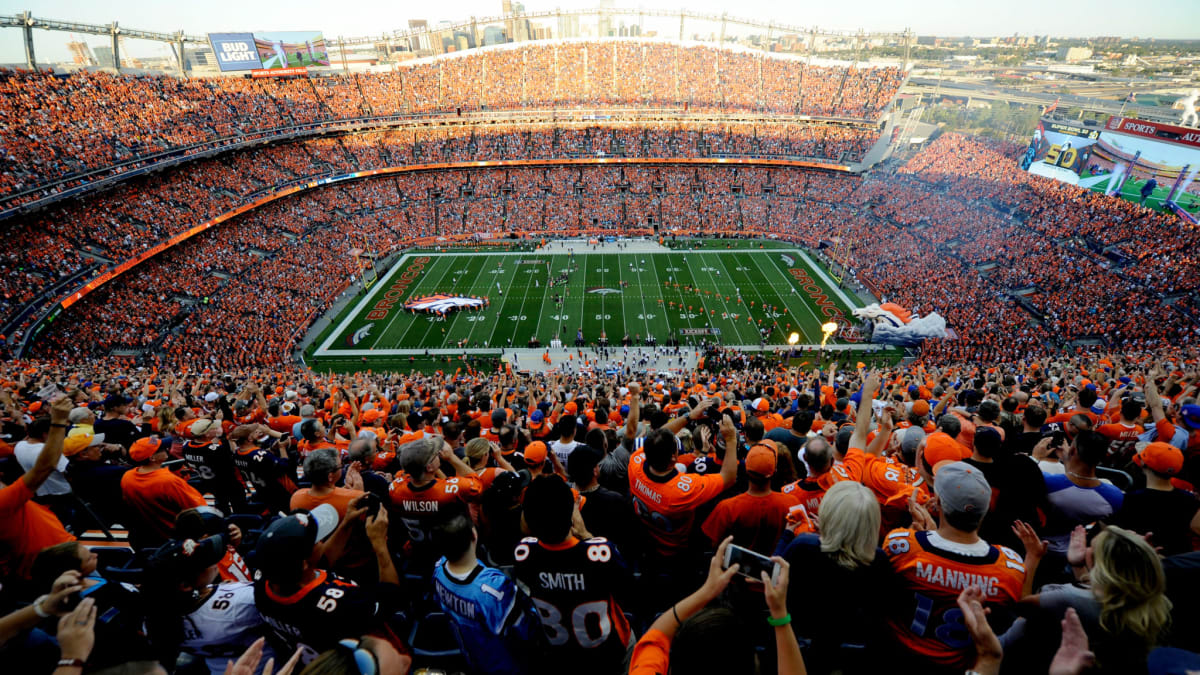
(603, 291)
(443, 303)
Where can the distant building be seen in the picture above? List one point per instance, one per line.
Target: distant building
(81, 54)
(1070, 54)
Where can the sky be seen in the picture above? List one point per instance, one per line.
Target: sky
(1170, 19)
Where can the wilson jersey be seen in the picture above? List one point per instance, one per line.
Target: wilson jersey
(494, 621)
(223, 627)
(573, 585)
(418, 508)
(667, 506)
(924, 616)
(326, 609)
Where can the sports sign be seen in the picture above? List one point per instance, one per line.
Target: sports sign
(234, 51)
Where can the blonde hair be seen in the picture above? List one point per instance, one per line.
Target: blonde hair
(850, 524)
(477, 448)
(1129, 583)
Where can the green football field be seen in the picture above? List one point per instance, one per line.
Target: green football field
(686, 295)
(1132, 191)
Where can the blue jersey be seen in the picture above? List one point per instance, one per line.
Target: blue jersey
(495, 623)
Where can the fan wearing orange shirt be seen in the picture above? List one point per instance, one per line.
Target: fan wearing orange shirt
(155, 495)
(420, 496)
(756, 517)
(665, 500)
(1124, 434)
(933, 566)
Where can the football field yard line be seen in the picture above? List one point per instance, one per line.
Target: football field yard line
(462, 327)
(398, 308)
(504, 307)
(805, 331)
(447, 266)
(666, 316)
(537, 332)
(700, 293)
(708, 286)
(517, 325)
(753, 284)
(481, 277)
(641, 296)
(737, 328)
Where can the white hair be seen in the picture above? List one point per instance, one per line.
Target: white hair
(850, 524)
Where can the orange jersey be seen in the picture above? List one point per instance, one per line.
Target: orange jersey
(667, 506)
(925, 616)
(1123, 437)
(419, 507)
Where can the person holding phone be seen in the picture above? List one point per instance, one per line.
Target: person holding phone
(681, 640)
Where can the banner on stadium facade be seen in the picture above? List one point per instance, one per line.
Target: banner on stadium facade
(234, 51)
(1151, 163)
(278, 72)
(291, 49)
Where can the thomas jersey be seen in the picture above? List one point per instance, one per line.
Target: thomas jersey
(667, 507)
(326, 609)
(419, 507)
(494, 621)
(573, 586)
(925, 616)
(223, 627)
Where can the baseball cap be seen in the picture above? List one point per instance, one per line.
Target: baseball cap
(762, 405)
(73, 445)
(211, 396)
(920, 408)
(180, 558)
(1190, 416)
(571, 407)
(307, 410)
(761, 459)
(940, 447)
(911, 439)
(199, 522)
(961, 488)
(535, 453)
(1161, 458)
(290, 539)
(371, 416)
(145, 448)
(537, 419)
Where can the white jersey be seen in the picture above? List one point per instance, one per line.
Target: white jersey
(224, 626)
(563, 450)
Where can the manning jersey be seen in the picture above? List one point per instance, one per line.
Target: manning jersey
(924, 616)
(573, 586)
(494, 621)
(667, 506)
(419, 507)
(223, 627)
(324, 610)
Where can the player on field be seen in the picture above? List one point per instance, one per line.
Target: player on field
(933, 566)
(573, 579)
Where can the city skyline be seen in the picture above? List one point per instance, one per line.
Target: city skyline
(1160, 19)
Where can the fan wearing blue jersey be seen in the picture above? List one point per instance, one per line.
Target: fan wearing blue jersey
(574, 579)
(494, 622)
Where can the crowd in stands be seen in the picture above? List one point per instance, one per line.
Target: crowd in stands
(933, 517)
(56, 127)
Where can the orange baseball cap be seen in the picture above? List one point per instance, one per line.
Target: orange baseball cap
(571, 407)
(73, 445)
(761, 459)
(144, 448)
(920, 407)
(1161, 458)
(535, 453)
(940, 447)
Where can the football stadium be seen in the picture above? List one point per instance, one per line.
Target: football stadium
(817, 372)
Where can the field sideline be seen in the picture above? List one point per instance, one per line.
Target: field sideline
(663, 293)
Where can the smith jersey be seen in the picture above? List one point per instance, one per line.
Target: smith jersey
(573, 586)
(667, 506)
(925, 616)
(495, 623)
(324, 610)
(223, 627)
(419, 507)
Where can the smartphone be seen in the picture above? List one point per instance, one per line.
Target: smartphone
(174, 464)
(371, 502)
(751, 564)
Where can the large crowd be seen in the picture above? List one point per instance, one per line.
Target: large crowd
(57, 132)
(937, 517)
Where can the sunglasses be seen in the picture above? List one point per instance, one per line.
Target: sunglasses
(364, 659)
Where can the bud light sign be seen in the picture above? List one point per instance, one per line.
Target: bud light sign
(234, 51)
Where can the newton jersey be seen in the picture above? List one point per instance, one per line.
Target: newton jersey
(573, 586)
(494, 621)
(924, 616)
(324, 610)
(223, 627)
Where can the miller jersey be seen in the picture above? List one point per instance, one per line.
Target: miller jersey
(925, 616)
(573, 586)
